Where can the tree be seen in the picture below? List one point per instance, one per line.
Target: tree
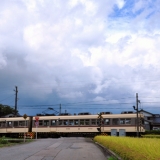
(5, 109)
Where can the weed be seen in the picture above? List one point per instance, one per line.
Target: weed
(112, 158)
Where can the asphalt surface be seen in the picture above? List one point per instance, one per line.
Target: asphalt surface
(54, 149)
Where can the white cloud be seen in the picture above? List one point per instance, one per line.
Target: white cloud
(120, 3)
(80, 50)
(2, 61)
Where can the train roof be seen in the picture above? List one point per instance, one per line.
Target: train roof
(88, 116)
(133, 115)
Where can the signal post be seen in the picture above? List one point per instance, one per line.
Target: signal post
(25, 117)
(36, 123)
(100, 117)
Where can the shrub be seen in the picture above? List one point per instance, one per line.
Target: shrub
(152, 132)
(3, 140)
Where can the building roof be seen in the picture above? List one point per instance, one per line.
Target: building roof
(146, 112)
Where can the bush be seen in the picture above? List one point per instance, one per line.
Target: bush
(3, 140)
(152, 132)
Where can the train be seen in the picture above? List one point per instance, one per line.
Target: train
(83, 124)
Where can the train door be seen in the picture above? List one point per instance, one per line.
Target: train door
(113, 132)
(122, 132)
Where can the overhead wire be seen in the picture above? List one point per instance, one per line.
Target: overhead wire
(6, 98)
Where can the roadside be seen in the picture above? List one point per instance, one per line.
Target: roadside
(6, 142)
(110, 155)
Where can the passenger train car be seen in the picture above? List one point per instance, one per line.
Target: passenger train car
(72, 125)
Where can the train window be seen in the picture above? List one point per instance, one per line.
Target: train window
(46, 123)
(98, 122)
(22, 123)
(2, 124)
(60, 122)
(122, 121)
(82, 121)
(125, 121)
(9, 124)
(107, 121)
(115, 121)
(76, 122)
(40, 123)
(93, 121)
(53, 122)
(65, 122)
(15, 123)
(71, 122)
(128, 121)
(87, 122)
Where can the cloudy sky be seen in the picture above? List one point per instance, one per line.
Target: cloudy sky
(87, 55)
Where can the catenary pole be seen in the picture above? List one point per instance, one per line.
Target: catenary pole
(16, 99)
(137, 114)
(60, 109)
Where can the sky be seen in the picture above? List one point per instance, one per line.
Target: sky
(87, 55)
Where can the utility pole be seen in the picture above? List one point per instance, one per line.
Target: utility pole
(137, 115)
(136, 108)
(16, 99)
(60, 109)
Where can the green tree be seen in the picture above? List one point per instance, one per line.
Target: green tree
(5, 109)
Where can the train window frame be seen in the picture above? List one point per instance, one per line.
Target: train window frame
(93, 122)
(21, 122)
(116, 120)
(129, 120)
(75, 122)
(55, 122)
(40, 123)
(98, 122)
(46, 123)
(65, 122)
(9, 123)
(3, 124)
(125, 121)
(87, 122)
(122, 121)
(60, 122)
(71, 122)
(82, 122)
(16, 125)
(107, 121)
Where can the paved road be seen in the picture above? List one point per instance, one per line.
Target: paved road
(54, 149)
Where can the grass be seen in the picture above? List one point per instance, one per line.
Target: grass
(112, 158)
(150, 136)
(132, 148)
(5, 142)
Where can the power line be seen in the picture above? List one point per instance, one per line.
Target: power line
(130, 108)
(82, 103)
(6, 98)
